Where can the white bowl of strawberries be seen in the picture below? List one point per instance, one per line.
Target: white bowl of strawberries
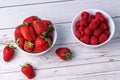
(35, 36)
(93, 27)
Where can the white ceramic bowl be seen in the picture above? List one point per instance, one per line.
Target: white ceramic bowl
(41, 53)
(93, 11)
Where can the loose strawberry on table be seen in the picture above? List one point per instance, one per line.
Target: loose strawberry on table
(8, 53)
(64, 53)
(28, 71)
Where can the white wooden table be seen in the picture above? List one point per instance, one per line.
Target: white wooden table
(88, 64)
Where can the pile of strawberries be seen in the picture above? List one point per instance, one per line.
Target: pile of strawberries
(34, 35)
(92, 29)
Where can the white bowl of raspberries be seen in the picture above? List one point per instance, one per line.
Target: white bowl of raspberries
(35, 36)
(93, 27)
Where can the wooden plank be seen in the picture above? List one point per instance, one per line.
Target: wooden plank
(14, 16)
(92, 72)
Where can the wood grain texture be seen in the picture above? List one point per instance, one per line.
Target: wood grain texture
(87, 64)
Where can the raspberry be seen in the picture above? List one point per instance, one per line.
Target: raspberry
(103, 26)
(85, 39)
(93, 40)
(92, 17)
(84, 15)
(107, 32)
(81, 28)
(83, 22)
(77, 24)
(96, 21)
(78, 34)
(87, 31)
(97, 32)
(103, 37)
(93, 26)
(105, 21)
(100, 16)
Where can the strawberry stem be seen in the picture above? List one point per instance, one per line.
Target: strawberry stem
(68, 55)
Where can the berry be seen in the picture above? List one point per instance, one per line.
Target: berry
(83, 22)
(97, 32)
(107, 32)
(79, 34)
(85, 39)
(100, 16)
(93, 40)
(87, 31)
(93, 26)
(77, 24)
(103, 37)
(103, 26)
(84, 15)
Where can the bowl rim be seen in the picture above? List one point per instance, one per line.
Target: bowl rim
(93, 11)
(40, 53)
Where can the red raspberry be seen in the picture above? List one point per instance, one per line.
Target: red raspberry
(96, 21)
(92, 17)
(77, 24)
(89, 20)
(100, 16)
(85, 39)
(83, 22)
(106, 21)
(81, 28)
(79, 34)
(87, 31)
(94, 40)
(97, 32)
(107, 32)
(103, 26)
(93, 26)
(84, 15)
(103, 37)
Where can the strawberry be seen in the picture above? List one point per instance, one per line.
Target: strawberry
(30, 19)
(84, 22)
(20, 42)
(103, 26)
(103, 37)
(28, 32)
(39, 27)
(41, 44)
(87, 31)
(97, 32)
(28, 46)
(85, 39)
(64, 53)
(93, 26)
(93, 40)
(17, 32)
(8, 53)
(46, 22)
(85, 15)
(28, 71)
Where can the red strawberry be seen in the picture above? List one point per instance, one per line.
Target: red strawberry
(79, 34)
(64, 53)
(93, 26)
(17, 32)
(47, 22)
(103, 26)
(28, 46)
(87, 31)
(103, 37)
(93, 40)
(100, 16)
(97, 32)
(20, 42)
(28, 71)
(84, 15)
(85, 39)
(39, 27)
(84, 22)
(8, 53)
(41, 44)
(28, 32)
(30, 19)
